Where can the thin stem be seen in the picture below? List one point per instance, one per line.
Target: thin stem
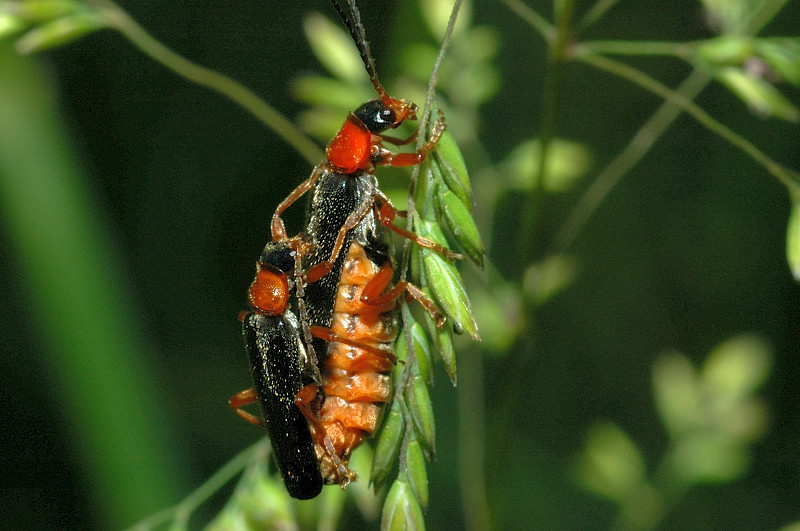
(595, 13)
(180, 513)
(437, 66)
(681, 50)
(646, 137)
(430, 96)
(472, 437)
(636, 149)
(413, 220)
(551, 100)
(762, 13)
(537, 21)
(429, 99)
(91, 358)
(786, 176)
(208, 78)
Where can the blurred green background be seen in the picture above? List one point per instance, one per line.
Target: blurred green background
(179, 183)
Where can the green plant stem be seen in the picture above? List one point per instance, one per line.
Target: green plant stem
(551, 100)
(786, 176)
(95, 372)
(536, 21)
(430, 96)
(761, 14)
(636, 149)
(208, 78)
(646, 508)
(179, 514)
(412, 221)
(595, 13)
(644, 139)
(472, 442)
(681, 50)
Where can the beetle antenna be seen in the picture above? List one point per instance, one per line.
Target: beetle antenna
(358, 35)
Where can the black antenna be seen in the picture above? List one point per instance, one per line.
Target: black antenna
(359, 37)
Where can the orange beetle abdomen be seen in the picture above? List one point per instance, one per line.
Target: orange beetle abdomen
(356, 374)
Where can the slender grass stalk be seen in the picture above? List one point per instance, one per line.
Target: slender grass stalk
(179, 514)
(644, 139)
(96, 360)
(595, 13)
(205, 77)
(681, 50)
(621, 164)
(472, 441)
(534, 19)
(788, 177)
(551, 104)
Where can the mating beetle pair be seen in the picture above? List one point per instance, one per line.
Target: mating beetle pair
(323, 373)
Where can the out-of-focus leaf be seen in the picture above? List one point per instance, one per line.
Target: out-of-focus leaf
(368, 502)
(436, 14)
(744, 421)
(543, 280)
(727, 16)
(61, 31)
(709, 458)
(38, 11)
(330, 92)
(321, 123)
(730, 50)
(267, 505)
(677, 393)
(737, 367)
(758, 94)
(334, 48)
(782, 54)
(10, 25)
(793, 240)
(567, 162)
(611, 464)
(498, 308)
(474, 84)
(416, 60)
(480, 44)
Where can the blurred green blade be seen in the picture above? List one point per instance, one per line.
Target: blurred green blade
(96, 361)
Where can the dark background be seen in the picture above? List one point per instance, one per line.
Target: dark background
(686, 252)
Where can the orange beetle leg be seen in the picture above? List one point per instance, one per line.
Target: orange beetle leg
(243, 398)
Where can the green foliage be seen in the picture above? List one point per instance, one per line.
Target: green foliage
(566, 162)
(48, 23)
(401, 511)
(387, 448)
(711, 415)
(793, 239)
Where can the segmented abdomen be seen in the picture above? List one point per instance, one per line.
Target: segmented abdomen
(356, 379)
